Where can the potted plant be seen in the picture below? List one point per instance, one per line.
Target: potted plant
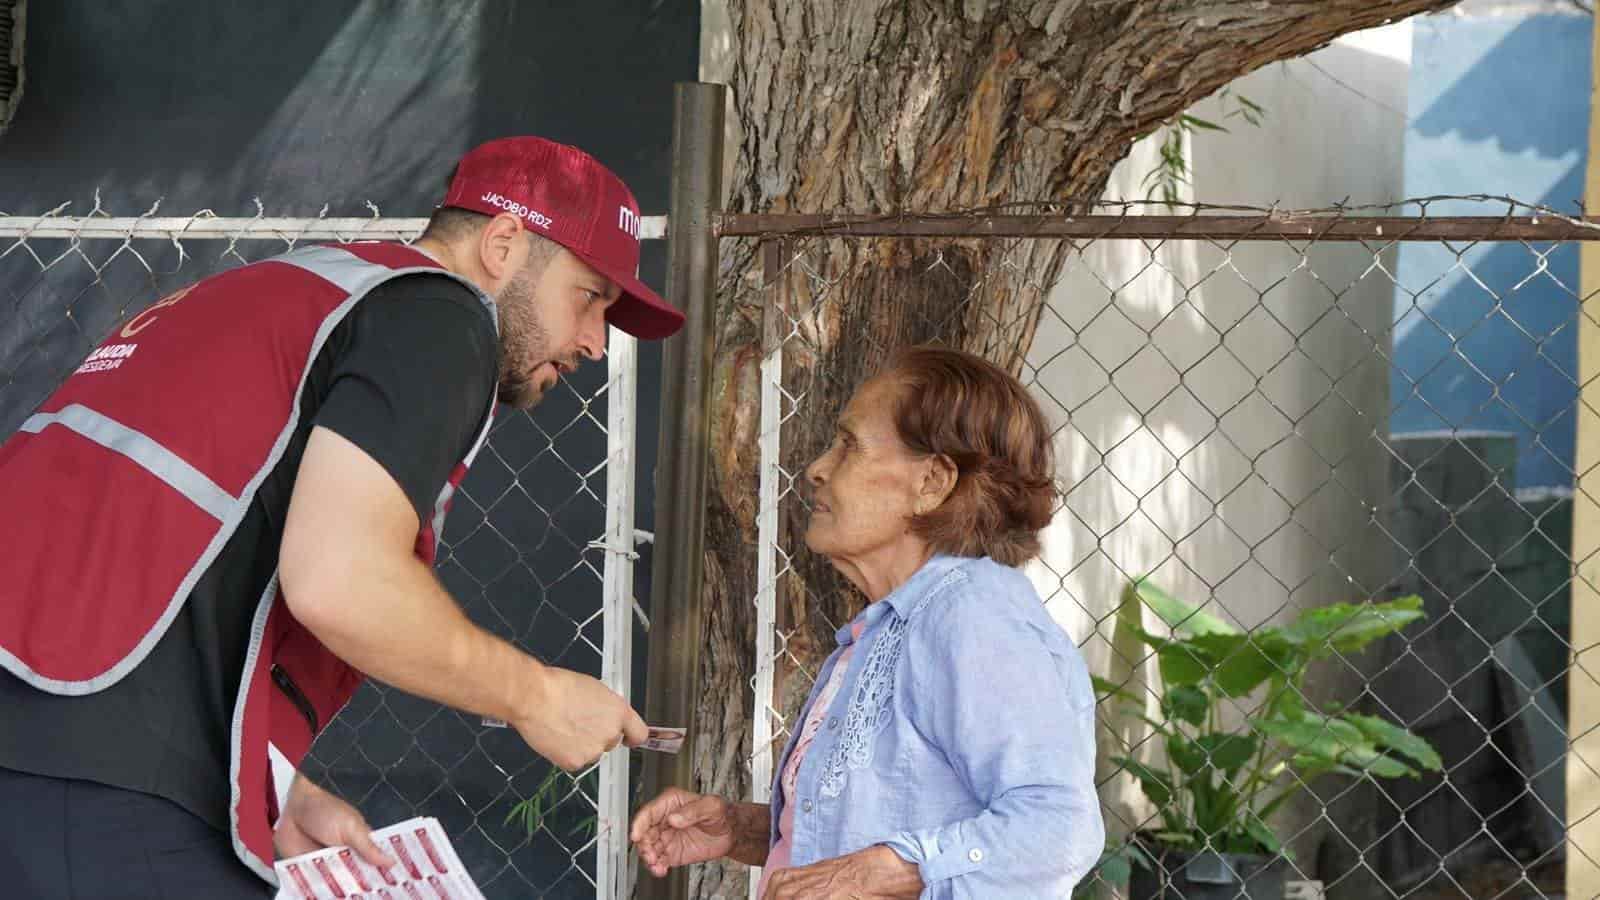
(1221, 784)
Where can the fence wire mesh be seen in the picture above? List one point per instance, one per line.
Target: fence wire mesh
(538, 546)
(1317, 444)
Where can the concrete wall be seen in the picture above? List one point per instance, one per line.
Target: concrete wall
(1231, 453)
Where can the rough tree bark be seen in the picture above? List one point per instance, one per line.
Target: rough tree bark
(925, 105)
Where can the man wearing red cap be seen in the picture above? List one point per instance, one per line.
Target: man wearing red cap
(226, 518)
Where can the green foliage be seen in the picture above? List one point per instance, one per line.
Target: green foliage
(556, 788)
(1219, 785)
(1172, 170)
(1113, 869)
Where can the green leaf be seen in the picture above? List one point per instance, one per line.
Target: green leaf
(1244, 662)
(1324, 744)
(1348, 627)
(1285, 698)
(1328, 740)
(555, 788)
(1253, 112)
(1106, 688)
(1182, 663)
(1156, 786)
(1181, 617)
(585, 828)
(1310, 767)
(1186, 703)
(1188, 757)
(1375, 763)
(1135, 853)
(1389, 767)
(1197, 122)
(1116, 869)
(1236, 663)
(1390, 736)
(1263, 835)
(1209, 814)
(1228, 752)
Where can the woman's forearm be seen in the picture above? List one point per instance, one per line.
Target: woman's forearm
(752, 832)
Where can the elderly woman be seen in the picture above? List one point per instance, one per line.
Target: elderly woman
(947, 749)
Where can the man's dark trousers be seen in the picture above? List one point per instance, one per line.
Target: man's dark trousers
(62, 839)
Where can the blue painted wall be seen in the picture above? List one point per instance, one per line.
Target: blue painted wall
(1484, 335)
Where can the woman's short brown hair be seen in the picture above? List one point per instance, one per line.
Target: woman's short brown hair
(983, 420)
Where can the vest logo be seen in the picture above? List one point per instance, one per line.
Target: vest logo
(146, 318)
(107, 358)
(499, 201)
(628, 221)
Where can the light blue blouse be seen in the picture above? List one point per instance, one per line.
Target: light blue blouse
(962, 738)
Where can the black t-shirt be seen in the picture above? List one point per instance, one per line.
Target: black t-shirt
(407, 377)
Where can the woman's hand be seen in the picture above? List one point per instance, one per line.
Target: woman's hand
(876, 873)
(679, 828)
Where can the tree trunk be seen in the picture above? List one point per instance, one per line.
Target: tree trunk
(924, 105)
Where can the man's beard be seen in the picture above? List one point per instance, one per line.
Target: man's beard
(522, 337)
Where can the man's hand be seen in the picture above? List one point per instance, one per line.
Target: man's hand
(573, 719)
(679, 828)
(876, 873)
(313, 819)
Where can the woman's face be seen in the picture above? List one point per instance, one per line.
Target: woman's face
(866, 485)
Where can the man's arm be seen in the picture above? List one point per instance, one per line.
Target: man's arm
(349, 575)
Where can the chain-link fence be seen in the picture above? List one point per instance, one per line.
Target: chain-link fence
(539, 545)
(1314, 524)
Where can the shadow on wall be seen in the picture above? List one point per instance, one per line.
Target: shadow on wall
(1220, 407)
(1485, 338)
(1500, 106)
(1520, 83)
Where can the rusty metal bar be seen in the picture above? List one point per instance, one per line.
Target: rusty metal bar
(1263, 227)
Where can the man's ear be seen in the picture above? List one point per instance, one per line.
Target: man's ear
(501, 249)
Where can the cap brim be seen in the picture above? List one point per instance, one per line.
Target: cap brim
(640, 311)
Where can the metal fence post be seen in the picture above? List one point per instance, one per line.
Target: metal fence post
(613, 869)
(677, 615)
(775, 255)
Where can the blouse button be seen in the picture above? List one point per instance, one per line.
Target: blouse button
(833, 723)
(807, 807)
(975, 855)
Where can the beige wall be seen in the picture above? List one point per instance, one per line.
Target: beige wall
(1583, 715)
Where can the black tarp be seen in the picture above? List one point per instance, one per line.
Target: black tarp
(213, 104)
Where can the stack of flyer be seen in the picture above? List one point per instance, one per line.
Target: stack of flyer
(426, 868)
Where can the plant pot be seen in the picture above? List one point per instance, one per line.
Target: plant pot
(1180, 874)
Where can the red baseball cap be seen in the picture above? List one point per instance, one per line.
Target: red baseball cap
(566, 195)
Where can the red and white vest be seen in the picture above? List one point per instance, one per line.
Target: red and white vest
(145, 461)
